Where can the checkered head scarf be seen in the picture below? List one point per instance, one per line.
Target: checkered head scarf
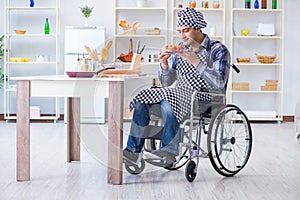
(191, 18)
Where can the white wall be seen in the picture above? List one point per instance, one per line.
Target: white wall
(103, 15)
(292, 54)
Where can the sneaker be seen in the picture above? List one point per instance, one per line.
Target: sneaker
(130, 156)
(170, 157)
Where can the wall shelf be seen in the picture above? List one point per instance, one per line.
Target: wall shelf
(255, 73)
(39, 44)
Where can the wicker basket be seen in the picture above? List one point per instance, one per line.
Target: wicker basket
(152, 32)
(265, 59)
(243, 60)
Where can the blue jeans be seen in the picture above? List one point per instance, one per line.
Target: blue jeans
(140, 120)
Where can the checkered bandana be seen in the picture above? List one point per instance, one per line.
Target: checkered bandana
(191, 18)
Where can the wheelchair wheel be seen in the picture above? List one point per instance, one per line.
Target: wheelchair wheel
(135, 169)
(229, 140)
(190, 171)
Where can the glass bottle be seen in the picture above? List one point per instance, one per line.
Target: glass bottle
(264, 4)
(31, 3)
(247, 3)
(192, 3)
(274, 4)
(47, 27)
(256, 4)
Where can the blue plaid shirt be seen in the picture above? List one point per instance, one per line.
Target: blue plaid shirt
(215, 72)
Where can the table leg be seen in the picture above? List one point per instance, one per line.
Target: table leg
(23, 130)
(115, 132)
(73, 129)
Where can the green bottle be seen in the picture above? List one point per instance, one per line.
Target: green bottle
(47, 27)
(274, 4)
(247, 3)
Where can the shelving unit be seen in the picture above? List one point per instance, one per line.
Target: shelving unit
(259, 105)
(152, 14)
(215, 18)
(18, 15)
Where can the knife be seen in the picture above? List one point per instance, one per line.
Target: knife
(138, 46)
(141, 51)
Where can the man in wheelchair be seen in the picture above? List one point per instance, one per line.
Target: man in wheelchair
(204, 64)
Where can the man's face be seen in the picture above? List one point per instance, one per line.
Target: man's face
(188, 35)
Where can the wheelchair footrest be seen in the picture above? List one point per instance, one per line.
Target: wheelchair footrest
(159, 162)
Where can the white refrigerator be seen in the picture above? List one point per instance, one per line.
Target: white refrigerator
(92, 107)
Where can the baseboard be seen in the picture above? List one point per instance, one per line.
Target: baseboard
(61, 118)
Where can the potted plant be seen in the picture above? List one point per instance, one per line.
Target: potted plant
(86, 12)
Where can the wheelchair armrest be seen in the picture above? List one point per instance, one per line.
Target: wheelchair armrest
(210, 92)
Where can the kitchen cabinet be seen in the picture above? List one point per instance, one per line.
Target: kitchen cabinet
(259, 101)
(32, 53)
(214, 14)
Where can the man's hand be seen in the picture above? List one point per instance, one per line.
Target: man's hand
(190, 57)
(163, 59)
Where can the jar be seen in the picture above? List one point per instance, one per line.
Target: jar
(204, 4)
(192, 3)
(216, 4)
(180, 3)
(86, 65)
(153, 58)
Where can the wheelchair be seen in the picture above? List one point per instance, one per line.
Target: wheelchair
(228, 132)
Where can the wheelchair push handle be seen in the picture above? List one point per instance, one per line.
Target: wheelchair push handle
(236, 69)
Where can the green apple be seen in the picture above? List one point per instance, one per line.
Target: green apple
(245, 32)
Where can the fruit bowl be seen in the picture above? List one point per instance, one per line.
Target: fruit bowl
(20, 32)
(265, 59)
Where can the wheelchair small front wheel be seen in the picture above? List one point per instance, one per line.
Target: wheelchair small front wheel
(229, 140)
(135, 169)
(190, 171)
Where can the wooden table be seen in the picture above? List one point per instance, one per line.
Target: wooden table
(73, 89)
